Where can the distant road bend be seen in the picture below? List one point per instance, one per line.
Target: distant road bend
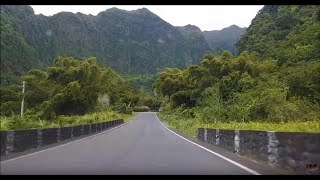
(142, 146)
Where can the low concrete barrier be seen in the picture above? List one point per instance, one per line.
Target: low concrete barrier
(86, 129)
(22, 140)
(49, 136)
(93, 128)
(77, 131)
(65, 133)
(99, 127)
(3, 135)
(25, 139)
(289, 150)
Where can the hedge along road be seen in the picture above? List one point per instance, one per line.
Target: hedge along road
(142, 146)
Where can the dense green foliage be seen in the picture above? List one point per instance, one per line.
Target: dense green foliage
(288, 34)
(131, 42)
(150, 100)
(141, 81)
(17, 56)
(10, 98)
(224, 39)
(70, 87)
(275, 79)
(141, 109)
(244, 88)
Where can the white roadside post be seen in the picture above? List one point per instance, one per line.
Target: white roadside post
(22, 102)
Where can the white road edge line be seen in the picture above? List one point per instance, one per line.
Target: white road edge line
(63, 144)
(229, 160)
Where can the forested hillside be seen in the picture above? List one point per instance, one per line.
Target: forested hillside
(288, 34)
(196, 43)
(224, 39)
(131, 42)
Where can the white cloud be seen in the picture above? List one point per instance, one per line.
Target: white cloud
(208, 17)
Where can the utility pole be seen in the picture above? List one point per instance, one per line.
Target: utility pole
(22, 102)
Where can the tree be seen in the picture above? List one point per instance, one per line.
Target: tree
(69, 87)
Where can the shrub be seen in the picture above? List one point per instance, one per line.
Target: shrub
(141, 109)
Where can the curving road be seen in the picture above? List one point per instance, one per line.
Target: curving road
(142, 146)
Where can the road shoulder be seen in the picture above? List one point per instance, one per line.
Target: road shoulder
(250, 163)
(15, 155)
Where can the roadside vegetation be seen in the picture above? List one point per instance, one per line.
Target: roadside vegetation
(243, 92)
(273, 84)
(176, 119)
(16, 123)
(70, 92)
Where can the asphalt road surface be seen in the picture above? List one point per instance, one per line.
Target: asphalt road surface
(142, 146)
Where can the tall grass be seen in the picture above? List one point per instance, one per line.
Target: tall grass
(190, 126)
(14, 123)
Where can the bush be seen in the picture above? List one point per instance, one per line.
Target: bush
(15, 123)
(9, 108)
(141, 109)
(10, 100)
(124, 109)
(153, 103)
(103, 102)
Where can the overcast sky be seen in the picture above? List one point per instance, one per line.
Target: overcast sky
(208, 17)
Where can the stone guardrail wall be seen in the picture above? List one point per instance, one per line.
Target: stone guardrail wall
(294, 151)
(22, 140)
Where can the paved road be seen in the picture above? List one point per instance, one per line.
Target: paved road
(143, 146)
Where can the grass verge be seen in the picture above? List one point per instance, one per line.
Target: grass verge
(190, 126)
(15, 123)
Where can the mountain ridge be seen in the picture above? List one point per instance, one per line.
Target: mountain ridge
(131, 42)
(225, 38)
